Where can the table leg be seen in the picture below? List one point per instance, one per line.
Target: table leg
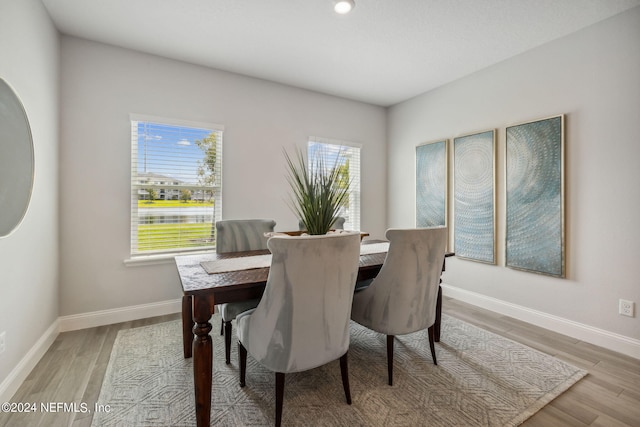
(187, 325)
(436, 329)
(202, 360)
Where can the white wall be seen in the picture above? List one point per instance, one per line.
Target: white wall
(102, 85)
(29, 62)
(593, 77)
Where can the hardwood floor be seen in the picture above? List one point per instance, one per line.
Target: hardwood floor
(73, 368)
(608, 396)
(70, 371)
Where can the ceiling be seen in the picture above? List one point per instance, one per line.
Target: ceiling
(383, 52)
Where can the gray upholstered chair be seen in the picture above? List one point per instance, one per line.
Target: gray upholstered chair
(402, 298)
(338, 224)
(239, 235)
(302, 320)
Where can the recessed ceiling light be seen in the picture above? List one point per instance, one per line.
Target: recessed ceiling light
(343, 6)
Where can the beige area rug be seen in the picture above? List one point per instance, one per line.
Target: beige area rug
(481, 379)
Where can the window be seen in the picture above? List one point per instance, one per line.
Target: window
(176, 183)
(346, 156)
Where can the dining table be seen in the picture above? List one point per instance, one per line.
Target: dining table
(214, 278)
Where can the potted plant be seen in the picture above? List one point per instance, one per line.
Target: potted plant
(318, 191)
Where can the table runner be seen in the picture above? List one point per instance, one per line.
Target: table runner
(235, 264)
(226, 265)
(374, 248)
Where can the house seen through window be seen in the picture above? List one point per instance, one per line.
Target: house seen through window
(176, 173)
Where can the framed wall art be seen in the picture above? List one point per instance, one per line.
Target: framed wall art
(535, 235)
(474, 217)
(431, 184)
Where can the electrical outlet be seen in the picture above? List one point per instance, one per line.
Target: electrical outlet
(3, 343)
(626, 308)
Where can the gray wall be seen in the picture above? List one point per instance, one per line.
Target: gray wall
(29, 62)
(102, 85)
(592, 76)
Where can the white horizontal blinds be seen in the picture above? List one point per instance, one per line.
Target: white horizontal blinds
(336, 153)
(176, 182)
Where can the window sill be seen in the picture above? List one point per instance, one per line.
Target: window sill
(144, 260)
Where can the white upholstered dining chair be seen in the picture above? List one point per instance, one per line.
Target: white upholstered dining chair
(302, 320)
(402, 298)
(239, 235)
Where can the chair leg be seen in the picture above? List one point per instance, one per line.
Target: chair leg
(242, 354)
(227, 342)
(432, 334)
(279, 397)
(390, 357)
(344, 371)
(221, 327)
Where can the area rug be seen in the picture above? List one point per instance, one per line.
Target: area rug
(481, 379)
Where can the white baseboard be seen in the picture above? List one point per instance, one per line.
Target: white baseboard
(117, 315)
(16, 377)
(609, 340)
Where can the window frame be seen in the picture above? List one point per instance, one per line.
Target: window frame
(355, 188)
(137, 255)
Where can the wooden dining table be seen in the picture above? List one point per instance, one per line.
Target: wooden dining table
(202, 291)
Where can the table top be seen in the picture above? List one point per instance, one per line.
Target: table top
(195, 279)
(363, 234)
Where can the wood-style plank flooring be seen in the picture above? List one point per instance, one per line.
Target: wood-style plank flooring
(73, 368)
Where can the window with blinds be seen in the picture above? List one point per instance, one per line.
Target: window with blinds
(176, 183)
(346, 156)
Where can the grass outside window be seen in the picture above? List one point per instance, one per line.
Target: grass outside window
(157, 237)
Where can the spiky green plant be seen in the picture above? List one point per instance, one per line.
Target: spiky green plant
(318, 192)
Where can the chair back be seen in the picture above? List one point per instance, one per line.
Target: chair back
(302, 320)
(402, 298)
(238, 235)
